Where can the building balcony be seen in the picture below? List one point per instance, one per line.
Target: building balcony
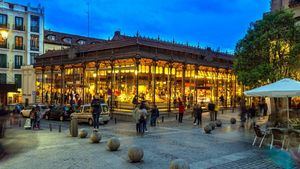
(35, 29)
(294, 3)
(34, 48)
(5, 26)
(4, 65)
(16, 66)
(19, 47)
(4, 45)
(19, 28)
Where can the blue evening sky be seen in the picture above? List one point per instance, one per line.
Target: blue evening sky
(214, 23)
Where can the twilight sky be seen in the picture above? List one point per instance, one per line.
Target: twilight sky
(214, 23)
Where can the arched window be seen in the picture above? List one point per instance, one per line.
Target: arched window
(67, 40)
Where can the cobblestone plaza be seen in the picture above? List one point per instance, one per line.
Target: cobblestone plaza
(227, 147)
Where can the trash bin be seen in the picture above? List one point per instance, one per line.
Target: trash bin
(74, 127)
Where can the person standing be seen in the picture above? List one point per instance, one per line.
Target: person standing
(136, 118)
(181, 111)
(142, 112)
(96, 111)
(265, 108)
(198, 114)
(211, 109)
(32, 118)
(252, 114)
(154, 115)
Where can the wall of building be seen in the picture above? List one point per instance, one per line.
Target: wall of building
(25, 12)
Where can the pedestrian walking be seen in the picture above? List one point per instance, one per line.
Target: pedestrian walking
(32, 118)
(96, 111)
(181, 111)
(142, 112)
(252, 114)
(197, 114)
(211, 109)
(217, 108)
(38, 117)
(154, 115)
(243, 112)
(136, 118)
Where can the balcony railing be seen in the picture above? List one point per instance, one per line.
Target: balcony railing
(34, 48)
(19, 27)
(35, 29)
(4, 45)
(16, 66)
(4, 65)
(4, 26)
(294, 3)
(19, 47)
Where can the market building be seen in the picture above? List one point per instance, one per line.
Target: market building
(154, 70)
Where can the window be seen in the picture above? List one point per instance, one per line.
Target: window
(19, 43)
(2, 78)
(3, 20)
(18, 80)
(19, 23)
(18, 61)
(35, 22)
(51, 37)
(34, 42)
(81, 42)
(3, 62)
(3, 42)
(32, 57)
(67, 40)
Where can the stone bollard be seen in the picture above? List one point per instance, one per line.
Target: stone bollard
(95, 137)
(212, 125)
(179, 164)
(162, 119)
(74, 127)
(59, 128)
(83, 133)
(135, 154)
(113, 144)
(115, 120)
(50, 126)
(207, 129)
(219, 123)
(232, 120)
(176, 117)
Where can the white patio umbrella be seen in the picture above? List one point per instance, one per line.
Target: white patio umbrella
(284, 88)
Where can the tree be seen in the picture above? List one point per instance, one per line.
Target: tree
(269, 51)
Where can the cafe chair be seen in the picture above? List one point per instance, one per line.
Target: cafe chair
(293, 140)
(277, 136)
(259, 134)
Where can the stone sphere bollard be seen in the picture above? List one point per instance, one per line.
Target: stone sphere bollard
(83, 133)
(213, 125)
(95, 137)
(232, 120)
(219, 123)
(179, 164)
(207, 129)
(135, 154)
(113, 144)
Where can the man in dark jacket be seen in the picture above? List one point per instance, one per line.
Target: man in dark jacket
(96, 111)
(198, 114)
(211, 109)
(154, 115)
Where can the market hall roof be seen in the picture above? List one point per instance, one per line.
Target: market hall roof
(58, 38)
(122, 47)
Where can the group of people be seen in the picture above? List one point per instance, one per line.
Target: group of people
(35, 117)
(141, 116)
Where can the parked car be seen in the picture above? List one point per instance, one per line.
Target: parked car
(85, 114)
(57, 113)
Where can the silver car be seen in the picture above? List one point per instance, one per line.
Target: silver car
(85, 115)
